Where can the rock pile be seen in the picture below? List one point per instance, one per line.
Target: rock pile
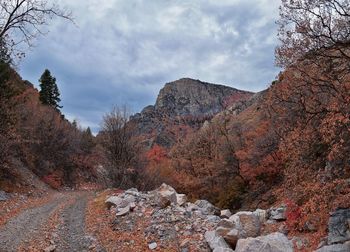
(200, 226)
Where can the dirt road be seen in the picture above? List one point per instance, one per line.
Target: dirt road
(61, 221)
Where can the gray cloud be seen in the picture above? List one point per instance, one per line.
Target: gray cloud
(123, 51)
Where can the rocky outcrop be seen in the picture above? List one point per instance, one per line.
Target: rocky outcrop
(338, 226)
(195, 98)
(183, 102)
(338, 239)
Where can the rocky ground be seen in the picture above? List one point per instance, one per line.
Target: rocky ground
(160, 220)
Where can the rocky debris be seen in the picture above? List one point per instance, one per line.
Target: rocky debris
(278, 214)
(339, 226)
(335, 248)
(207, 208)
(152, 245)
(123, 211)
(132, 191)
(50, 248)
(275, 242)
(123, 204)
(181, 199)
(4, 196)
(216, 242)
(226, 213)
(174, 222)
(195, 226)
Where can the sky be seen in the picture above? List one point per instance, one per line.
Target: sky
(123, 51)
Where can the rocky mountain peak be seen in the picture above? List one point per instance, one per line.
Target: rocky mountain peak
(193, 97)
(184, 102)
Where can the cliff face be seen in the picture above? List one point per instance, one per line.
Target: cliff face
(185, 102)
(195, 98)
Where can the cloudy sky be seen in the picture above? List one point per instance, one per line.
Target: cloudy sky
(124, 51)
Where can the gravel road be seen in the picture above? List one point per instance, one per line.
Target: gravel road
(70, 233)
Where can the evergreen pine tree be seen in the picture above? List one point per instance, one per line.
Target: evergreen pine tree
(49, 93)
(87, 141)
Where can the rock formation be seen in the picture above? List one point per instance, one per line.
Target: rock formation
(183, 102)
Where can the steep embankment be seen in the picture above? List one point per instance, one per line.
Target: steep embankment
(38, 143)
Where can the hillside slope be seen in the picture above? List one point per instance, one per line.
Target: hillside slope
(38, 143)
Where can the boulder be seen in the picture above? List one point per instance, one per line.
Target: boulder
(232, 237)
(191, 207)
(213, 218)
(278, 214)
(123, 211)
(335, 248)
(338, 226)
(247, 223)
(275, 242)
(261, 214)
(163, 202)
(226, 223)
(129, 198)
(181, 199)
(215, 241)
(167, 192)
(222, 231)
(116, 201)
(220, 249)
(133, 191)
(207, 208)
(226, 213)
(132, 206)
(152, 245)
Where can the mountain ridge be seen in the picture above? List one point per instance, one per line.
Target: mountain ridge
(186, 102)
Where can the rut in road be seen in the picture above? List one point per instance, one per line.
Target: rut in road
(71, 233)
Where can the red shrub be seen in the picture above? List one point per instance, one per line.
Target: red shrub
(53, 180)
(293, 214)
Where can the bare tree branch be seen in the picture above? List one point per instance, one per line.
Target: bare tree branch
(22, 21)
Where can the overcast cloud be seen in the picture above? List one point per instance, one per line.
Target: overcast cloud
(124, 51)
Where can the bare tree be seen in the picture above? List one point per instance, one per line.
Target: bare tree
(120, 146)
(21, 21)
(312, 27)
